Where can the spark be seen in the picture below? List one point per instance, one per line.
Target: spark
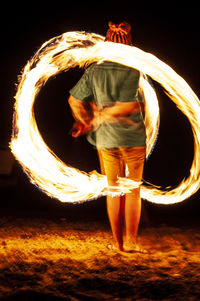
(69, 184)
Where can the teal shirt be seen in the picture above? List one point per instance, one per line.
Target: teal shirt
(106, 84)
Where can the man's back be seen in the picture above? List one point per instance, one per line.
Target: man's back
(112, 82)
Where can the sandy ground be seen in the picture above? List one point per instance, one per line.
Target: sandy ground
(59, 259)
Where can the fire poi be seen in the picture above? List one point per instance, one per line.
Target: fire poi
(69, 184)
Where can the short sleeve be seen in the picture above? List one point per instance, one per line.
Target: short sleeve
(83, 90)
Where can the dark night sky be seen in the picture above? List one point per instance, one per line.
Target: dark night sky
(167, 31)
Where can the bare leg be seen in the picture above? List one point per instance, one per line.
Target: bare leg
(124, 211)
(115, 209)
(132, 217)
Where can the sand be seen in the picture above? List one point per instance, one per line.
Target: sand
(60, 259)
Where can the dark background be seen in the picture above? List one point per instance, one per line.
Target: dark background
(169, 31)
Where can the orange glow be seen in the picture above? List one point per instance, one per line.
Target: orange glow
(68, 184)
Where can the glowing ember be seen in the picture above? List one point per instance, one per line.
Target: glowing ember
(77, 49)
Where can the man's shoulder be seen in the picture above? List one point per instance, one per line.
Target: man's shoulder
(113, 66)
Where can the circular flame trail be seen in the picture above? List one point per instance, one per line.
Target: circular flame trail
(68, 184)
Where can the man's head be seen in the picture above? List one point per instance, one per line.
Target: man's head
(119, 33)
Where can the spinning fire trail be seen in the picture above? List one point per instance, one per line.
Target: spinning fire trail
(69, 184)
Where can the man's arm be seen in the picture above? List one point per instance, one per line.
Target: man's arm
(119, 109)
(80, 110)
(89, 115)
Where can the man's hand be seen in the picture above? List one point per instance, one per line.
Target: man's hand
(79, 129)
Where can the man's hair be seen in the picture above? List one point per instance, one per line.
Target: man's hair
(119, 33)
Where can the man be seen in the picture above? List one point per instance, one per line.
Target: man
(115, 125)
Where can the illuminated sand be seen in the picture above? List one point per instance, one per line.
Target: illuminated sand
(63, 260)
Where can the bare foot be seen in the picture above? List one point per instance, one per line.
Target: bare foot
(116, 247)
(134, 248)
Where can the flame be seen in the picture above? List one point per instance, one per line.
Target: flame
(69, 184)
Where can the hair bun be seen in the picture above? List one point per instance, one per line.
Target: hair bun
(124, 27)
(119, 33)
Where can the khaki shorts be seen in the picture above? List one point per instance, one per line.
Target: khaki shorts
(113, 162)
